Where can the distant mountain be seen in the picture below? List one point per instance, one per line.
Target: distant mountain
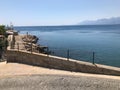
(114, 20)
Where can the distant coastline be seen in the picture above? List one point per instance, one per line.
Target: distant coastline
(103, 21)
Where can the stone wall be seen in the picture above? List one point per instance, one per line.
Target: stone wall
(59, 63)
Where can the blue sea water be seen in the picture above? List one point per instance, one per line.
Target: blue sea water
(81, 41)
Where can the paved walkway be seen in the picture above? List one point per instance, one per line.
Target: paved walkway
(18, 40)
(11, 69)
(14, 76)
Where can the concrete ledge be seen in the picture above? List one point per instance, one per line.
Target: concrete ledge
(2, 63)
(59, 63)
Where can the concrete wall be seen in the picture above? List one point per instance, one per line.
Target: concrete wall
(11, 41)
(59, 63)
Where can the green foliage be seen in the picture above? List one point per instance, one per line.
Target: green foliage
(3, 42)
(2, 30)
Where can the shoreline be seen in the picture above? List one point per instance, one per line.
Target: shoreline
(105, 47)
(25, 42)
(19, 54)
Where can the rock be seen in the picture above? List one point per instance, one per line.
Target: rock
(30, 39)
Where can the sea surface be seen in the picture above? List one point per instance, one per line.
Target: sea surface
(80, 41)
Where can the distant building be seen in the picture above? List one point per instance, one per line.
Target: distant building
(10, 27)
(10, 30)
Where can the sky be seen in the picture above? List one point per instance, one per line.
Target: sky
(56, 12)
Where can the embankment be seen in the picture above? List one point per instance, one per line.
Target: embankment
(59, 63)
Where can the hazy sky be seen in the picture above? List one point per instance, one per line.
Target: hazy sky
(56, 12)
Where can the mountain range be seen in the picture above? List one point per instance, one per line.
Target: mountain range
(105, 21)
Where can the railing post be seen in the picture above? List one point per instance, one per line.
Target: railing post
(31, 47)
(93, 58)
(68, 54)
(18, 46)
(47, 51)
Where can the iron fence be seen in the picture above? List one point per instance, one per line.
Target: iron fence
(80, 55)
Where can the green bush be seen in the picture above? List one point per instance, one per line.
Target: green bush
(2, 30)
(3, 42)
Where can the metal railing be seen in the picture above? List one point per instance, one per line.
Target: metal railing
(60, 52)
(75, 54)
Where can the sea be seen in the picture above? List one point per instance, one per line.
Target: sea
(91, 43)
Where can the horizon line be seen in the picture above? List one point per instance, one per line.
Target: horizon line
(63, 25)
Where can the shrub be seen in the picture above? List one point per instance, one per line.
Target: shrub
(2, 30)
